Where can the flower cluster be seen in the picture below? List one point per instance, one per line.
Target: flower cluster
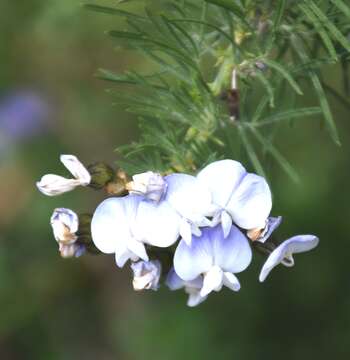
(205, 223)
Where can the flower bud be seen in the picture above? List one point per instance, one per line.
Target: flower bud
(101, 175)
(72, 233)
(71, 250)
(150, 184)
(52, 185)
(65, 224)
(146, 275)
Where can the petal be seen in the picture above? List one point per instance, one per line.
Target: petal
(251, 202)
(213, 280)
(76, 168)
(186, 231)
(226, 222)
(191, 261)
(272, 224)
(174, 282)
(109, 225)
(122, 255)
(194, 298)
(296, 244)
(157, 224)
(188, 196)
(67, 217)
(232, 254)
(222, 177)
(138, 248)
(231, 281)
(52, 185)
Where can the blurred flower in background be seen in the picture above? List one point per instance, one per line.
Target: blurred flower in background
(24, 115)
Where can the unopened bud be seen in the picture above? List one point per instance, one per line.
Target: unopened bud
(146, 275)
(101, 175)
(150, 184)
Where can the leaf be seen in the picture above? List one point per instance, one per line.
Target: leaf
(320, 30)
(278, 14)
(331, 27)
(288, 115)
(251, 152)
(345, 9)
(285, 73)
(299, 48)
(112, 11)
(267, 86)
(285, 165)
(325, 107)
(229, 5)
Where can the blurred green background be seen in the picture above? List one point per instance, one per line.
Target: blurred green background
(51, 308)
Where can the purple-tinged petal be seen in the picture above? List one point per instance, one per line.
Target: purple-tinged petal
(232, 254)
(272, 224)
(296, 244)
(251, 202)
(231, 281)
(191, 261)
(146, 275)
(222, 177)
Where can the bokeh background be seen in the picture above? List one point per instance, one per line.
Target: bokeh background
(50, 308)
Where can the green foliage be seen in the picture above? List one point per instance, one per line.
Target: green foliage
(190, 50)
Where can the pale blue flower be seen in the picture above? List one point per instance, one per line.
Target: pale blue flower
(215, 257)
(192, 287)
(283, 254)
(181, 211)
(239, 197)
(146, 275)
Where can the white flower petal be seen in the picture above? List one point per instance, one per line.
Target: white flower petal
(212, 281)
(226, 222)
(232, 254)
(296, 244)
(222, 177)
(231, 281)
(122, 255)
(76, 168)
(157, 224)
(186, 231)
(110, 225)
(52, 185)
(251, 202)
(191, 261)
(194, 297)
(190, 198)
